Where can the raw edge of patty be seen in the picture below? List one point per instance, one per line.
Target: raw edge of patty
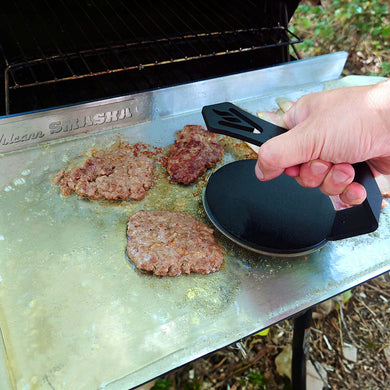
(171, 243)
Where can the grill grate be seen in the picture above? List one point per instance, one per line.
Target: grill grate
(69, 40)
(130, 56)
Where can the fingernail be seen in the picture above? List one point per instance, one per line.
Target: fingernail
(351, 195)
(265, 116)
(318, 168)
(285, 105)
(258, 172)
(340, 176)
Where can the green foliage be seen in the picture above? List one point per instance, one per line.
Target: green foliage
(386, 67)
(253, 380)
(361, 28)
(256, 379)
(371, 344)
(192, 385)
(162, 384)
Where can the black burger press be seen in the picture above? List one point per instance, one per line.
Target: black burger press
(278, 217)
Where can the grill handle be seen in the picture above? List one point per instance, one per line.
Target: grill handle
(227, 119)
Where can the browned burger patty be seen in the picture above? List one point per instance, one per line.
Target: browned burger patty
(121, 173)
(171, 243)
(194, 151)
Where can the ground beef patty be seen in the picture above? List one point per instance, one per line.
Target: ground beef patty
(121, 173)
(194, 151)
(171, 243)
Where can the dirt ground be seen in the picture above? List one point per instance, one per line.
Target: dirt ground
(349, 348)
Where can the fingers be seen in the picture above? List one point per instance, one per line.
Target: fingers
(284, 151)
(339, 181)
(336, 181)
(266, 173)
(269, 164)
(287, 151)
(331, 179)
(292, 171)
(295, 112)
(297, 152)
(354, 194)
(314, 173)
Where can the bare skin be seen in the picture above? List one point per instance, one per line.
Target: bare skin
(328, 132)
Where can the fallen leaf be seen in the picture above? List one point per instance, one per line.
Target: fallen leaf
(323, 309)
(350, 353)
(283, 362)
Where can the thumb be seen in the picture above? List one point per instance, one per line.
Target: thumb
(284, 151)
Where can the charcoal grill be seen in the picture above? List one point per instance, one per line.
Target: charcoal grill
(76, 75)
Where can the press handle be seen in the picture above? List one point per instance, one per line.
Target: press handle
(228, 119)
(363, 218)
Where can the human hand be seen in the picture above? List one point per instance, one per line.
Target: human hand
(330, 131)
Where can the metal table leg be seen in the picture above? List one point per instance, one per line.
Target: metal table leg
(300, 345)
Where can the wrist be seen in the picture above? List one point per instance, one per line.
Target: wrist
(378, 105)
(379, 101)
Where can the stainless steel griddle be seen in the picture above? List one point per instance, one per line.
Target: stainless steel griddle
(75, 314)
